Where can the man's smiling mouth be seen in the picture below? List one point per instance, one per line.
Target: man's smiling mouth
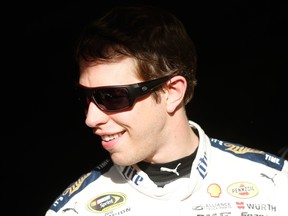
(110, 137)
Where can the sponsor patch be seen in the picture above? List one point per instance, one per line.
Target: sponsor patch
(214, 190)
(107, 202)
(243, 190)
(252, 154)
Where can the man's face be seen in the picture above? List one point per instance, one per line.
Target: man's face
(134, 134)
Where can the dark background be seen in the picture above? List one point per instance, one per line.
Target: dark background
(241, 94)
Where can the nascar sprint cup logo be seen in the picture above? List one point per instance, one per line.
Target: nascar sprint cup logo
(107, 202)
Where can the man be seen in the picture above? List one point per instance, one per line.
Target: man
(137, 73)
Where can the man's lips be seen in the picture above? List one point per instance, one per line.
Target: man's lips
(110, 137)
(111, 140)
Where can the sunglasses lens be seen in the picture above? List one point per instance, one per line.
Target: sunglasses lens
(83, 98)
(112, 98)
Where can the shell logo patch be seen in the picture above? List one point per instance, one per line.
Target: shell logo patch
(243, 190)
(107, 202)
(214, 190)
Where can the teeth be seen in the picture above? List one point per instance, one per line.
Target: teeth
(110, 137)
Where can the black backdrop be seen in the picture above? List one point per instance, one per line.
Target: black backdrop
(241, 94)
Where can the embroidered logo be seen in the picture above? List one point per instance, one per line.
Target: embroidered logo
(73, 188)
(243, 190)
(271, 178)
(130, 173)
(214, 190)
(171, 170)
(241, 149)
(107, 202)
(70, 209)
(202, 166)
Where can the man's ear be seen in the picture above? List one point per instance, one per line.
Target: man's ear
(176, 88)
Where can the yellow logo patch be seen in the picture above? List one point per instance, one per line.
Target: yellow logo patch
(243, 190)
(107, 202)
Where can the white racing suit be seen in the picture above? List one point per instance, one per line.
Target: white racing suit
(226, 179)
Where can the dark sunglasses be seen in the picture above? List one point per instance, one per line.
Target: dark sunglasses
(119, 97)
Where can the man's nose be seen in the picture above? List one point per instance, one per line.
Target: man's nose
(95, 116)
